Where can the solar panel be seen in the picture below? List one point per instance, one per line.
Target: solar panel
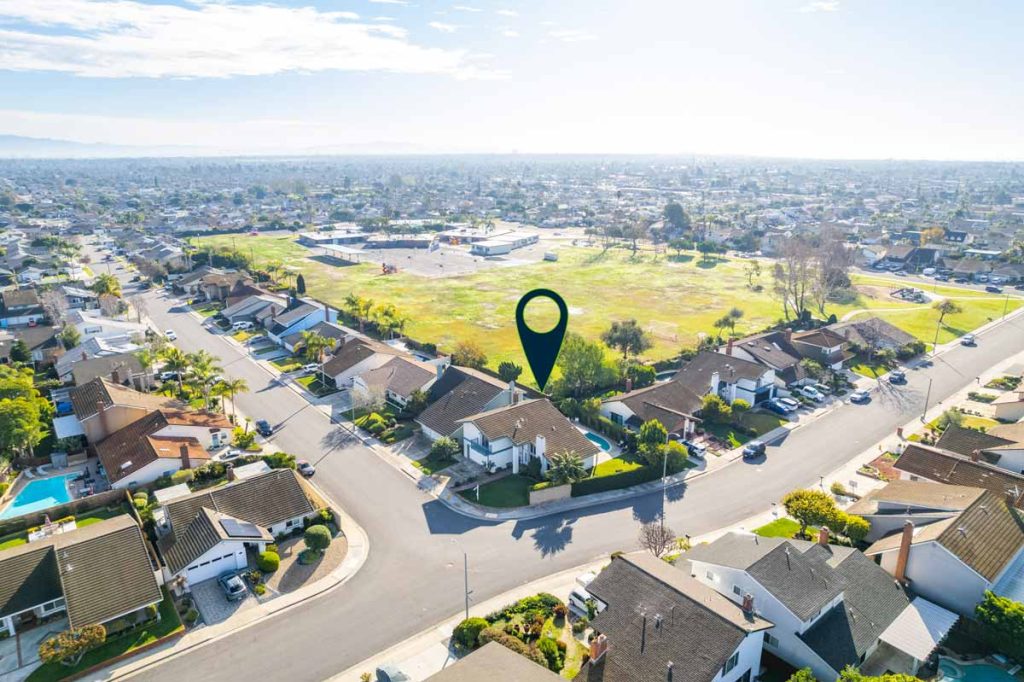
(240, 529)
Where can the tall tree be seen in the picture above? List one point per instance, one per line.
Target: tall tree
(469, 354)
(176, 361)
(628, 337)
(509, 371)
(107, 284)
(583, 368)
(676, 217)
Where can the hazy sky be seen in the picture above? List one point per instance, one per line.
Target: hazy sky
(818, 78)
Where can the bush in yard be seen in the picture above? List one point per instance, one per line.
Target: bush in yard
(856, 527)
(445, 447)
(468, 631)
(566, 467)
(260, 589)
(139, 503)
(552, 655)
(182, 476)
(838, 489)
(809, 507)
(268, 561)
(191, 616)
(242, 439)
(1002, 621)
(280, 460)
(739, 408)
(69, 646)
(715, 410)
(317, 538)
(803, 675)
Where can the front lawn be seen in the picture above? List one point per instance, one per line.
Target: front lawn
(168, 624)
(288, 363)
(312, 383)
(871, 369)
(511, 491)
(243, 335)
(779, 528)
(617, 465)
(13, 540)
(208, 309)
(432, 463)
(759, 422)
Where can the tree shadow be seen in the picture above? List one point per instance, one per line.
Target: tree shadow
(709, 263)
(550, 535)
(443, 521)
(681, 258)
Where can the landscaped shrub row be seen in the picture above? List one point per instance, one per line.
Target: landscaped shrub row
(589, 486)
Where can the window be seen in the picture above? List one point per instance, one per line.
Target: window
(227, 556)
(771, 641)
(731, 663)
(710, 575)
(745, 677)
(215, 560)
(914, 478)
(205, 563)
(289, 524)
(736, 590)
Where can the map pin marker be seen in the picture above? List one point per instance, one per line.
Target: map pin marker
(541, 348)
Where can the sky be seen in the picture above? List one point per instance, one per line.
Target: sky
(937, 79)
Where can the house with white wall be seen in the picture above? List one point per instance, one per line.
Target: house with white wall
(515, 434)
(93, 324)
(1001, 446)
(730, 377)
(927, 463)
(396, 380)
(670, 402)
(461, 392)
(299, 317)
(357, 355)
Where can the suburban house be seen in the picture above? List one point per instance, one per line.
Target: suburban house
(293, 343)
(655, 622)
(299, 317)
(1009, 407)
(218, 286)
(126, 365)
(1005, 452)
(824, 346)
(97, 347)
(102, 407)
(515, 434)
(396, 380)
(773, 350)
(159, 444)
(831, 606)
(925, 463)
(20, 307)
(190, 283)
(887, 509)
(873, 333)
(92, 324)
(952, 561)
(670, 402)
(206, 533)
(730, 377)
(462, 392)
(356, 355)
(255, 309)
(79, 298)
(495, 663)
(94, 574)
(44, 345)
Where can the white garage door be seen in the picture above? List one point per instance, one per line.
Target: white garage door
(213, 567)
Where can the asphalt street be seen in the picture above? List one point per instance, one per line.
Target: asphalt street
(413, 577)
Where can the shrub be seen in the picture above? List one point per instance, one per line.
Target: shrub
(561, 611)
(589, 486)
(139, 503)
(1002, 623)
(152, 611)
(280, 460)
(242, 439)
(182, 476)
(69, 646)
(268, 561)
(4, 485)
(580, 624)
(260, 589)
(468, 631)
(272, 547)
(317, 538)
(552, 656)
(191, 616)
(839, 489)
(445, 447)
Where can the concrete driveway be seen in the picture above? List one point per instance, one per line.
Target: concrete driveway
(23, 650)
(214, 606)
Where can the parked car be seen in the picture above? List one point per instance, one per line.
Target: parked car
(860, 396)
(232, 586)
(311, 368)
(697, 450)
(167, 376)
(241, 325)
(775, 406)
(961, 280)
(941, 278)
(968, 340)
(264, 428)
(754, 448)
(901, 273)
(928, 271)
(811, 392)
(305, 468)
(169, 333)
(993, 289)
(789, 403)
(1019, 287)
(897, 377)
(981, 278)
(391, 673)
(822, 388)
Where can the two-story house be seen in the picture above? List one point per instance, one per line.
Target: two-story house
(21, 308)
(301, 315)
(730, 377)
(461, 392)
(102, 407)
(515, 434)
(670, 402)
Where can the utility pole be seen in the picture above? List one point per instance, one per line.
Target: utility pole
(1006, 302)
(927, 397)
(465, 573)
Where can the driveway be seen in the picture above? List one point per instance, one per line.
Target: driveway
(27, 644)
(212, 604)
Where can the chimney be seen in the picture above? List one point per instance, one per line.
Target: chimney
(904, 553)
(823, 536)
(440, 370)
(748, 604)
(85, 356)
(728, 348)
(629, 384)
(668, 671)
(115, 376)
(101, 414)
(789, 336)
(229, 469)
(714, 382)
(513, 394)
(975, 455)
(598, 648)
(540, 444)
(186, 463)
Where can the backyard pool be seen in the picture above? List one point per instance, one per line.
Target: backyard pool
(38, 495)
(972, 672)
(598, 440)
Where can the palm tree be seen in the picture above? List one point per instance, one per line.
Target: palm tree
(220, 390)
(315, 344)
(233, 387)
(146, 358)
(175, 360)
(359, 308)
(107, 284)
(202, 373)
(566, 467)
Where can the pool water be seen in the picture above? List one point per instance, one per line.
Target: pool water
(39, 495)
(976, 672)
(598, 440)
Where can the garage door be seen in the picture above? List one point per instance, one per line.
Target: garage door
(197, 573)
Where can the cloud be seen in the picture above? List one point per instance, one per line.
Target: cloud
(443, 27)
(510, 34)
(466, 8)
(572, 35)
(390, 2)
(821, 6)
(126, 38)
(507, 12)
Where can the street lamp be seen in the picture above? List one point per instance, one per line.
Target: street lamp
(927, 397)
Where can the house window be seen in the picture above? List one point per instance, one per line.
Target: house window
(771, 641)
(289, 524)
(731, 663)
(736, 590)
(616, 418)
(745, 677)
(914, 478)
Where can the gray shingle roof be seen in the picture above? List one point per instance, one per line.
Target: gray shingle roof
(670, 402)
(200, 536)
(523, 422)
(965, 441)
(801, 582)
(696, 374)
(943, 466)
(459, 393)
(28, 577)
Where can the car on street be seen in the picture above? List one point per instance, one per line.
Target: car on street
(811, 393)
(264, 428)
(754, 448)
(993, 289)
(941, 278)
(391, 673)
(968, 340)
(789, 403)
(232, 586)
(169, 333)
(305, 468)
(311, 368)
(901, 273)
(897, 377)
(860, 396)
(698, 450)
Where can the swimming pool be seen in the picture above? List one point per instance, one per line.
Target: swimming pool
(38, 495)
(972, 672)
(598, 440)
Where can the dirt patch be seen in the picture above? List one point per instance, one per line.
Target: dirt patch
(292, 575)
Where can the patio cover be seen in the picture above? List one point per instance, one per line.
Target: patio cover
(919, 629)
(65, 427)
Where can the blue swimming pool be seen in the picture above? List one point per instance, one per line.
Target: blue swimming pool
(598, 440)
(38, 495)
(972, 672)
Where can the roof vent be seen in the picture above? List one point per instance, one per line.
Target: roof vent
(962, 530)
(657, 621)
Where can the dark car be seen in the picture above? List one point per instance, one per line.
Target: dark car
(754, 448)
(897, 377)
(993, 289)
(232, 586)
(941, 278)
(776, 407)
(962, 280)
(1019, 287)
(264, 428)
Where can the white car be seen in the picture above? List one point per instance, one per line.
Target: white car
(811, 392)
(311, 368)
(169, 333)
(241, 326)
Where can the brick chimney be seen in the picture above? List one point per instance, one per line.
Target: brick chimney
(186, 463)
(904, 553)
(789, 336)
(728, 347)
(101, 415)
(598, 648)
(748, 604)
(229, 469)
(115, 376)
(823, 533)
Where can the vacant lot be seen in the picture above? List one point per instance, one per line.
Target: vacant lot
(675, 299)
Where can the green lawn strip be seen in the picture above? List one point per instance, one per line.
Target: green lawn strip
(617, 465)
(779, 528)
(312, 383)
(867, 368)
(969, 422)
(510, 491)
(287, 363)
(760, 422)
(431, 464)
(208, 309)
(13, 540)
(168, 624)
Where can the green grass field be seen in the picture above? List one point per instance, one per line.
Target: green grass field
(674, 300)
(779, 528)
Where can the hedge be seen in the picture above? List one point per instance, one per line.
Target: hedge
(644, 474)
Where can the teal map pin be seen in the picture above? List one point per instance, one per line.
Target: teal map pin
(541, 348)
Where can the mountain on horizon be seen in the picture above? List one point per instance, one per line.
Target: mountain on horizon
(21, 147)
